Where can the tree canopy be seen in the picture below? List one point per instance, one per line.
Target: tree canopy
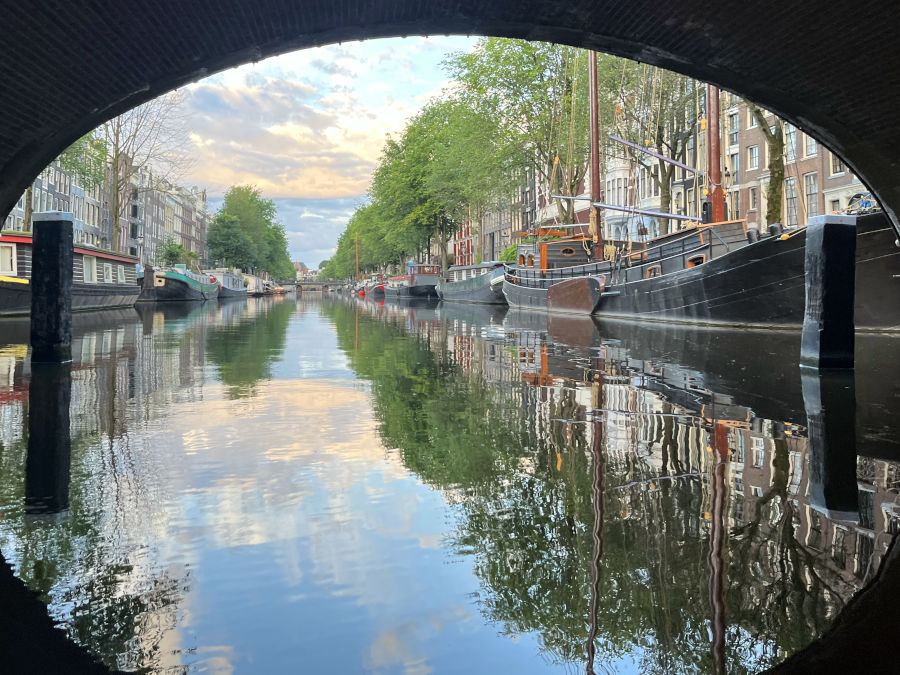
(246, 234)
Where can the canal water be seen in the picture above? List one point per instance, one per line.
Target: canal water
(335, 485)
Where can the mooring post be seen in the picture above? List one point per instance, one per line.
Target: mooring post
(51, 288)
(49, 438)
(828, 337)
(830, 400)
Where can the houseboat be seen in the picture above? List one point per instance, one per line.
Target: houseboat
(716, 274)
(175, 283)
(473, 283)
(101, 279)
(231, 283)
(255, 285)
(420, 281)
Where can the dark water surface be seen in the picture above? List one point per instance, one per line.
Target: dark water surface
(338, 486)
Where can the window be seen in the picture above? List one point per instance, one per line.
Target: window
(107, 273)
(654, 271)
(759, 456)
(790, 142)
(835, 206)
(735, 168)
(689, 202)
(735, 205)
(567, 251)
(811, 189)
(754, 199)
(656, 181)
(753, 157)
(812, 146)
(751, 120)
(837, 166)
(733, 124)
(8, 259)
(619, 192)
(120, 274)
(696, 260)
(790, 199)
(89, 264)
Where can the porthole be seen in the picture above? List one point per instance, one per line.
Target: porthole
(568, 251)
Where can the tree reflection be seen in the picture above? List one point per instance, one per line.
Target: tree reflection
(245, 351)
(523, 452)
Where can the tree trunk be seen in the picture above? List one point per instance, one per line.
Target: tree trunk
(442, 243)
(775, 147)
(665, 194)
(29, 207)
(775, 188)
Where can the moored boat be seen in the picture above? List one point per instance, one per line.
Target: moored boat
(473, 283)
(101, 279)
(164, 284)
(231, 283)
(420, 281)
(255, 285)
(715, 274)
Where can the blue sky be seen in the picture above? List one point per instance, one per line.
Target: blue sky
(307, 128)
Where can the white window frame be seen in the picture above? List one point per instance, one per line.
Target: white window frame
(84, 269)
(752, 157)
(815, 146)
(107, 273)
(14, 271)
(120, 274)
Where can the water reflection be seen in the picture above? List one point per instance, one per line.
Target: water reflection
(333, 485)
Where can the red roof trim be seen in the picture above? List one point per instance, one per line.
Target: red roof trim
(107, 256)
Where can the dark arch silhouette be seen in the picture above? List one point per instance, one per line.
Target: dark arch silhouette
(67, 67)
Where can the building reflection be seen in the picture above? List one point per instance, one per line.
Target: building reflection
(792, 520)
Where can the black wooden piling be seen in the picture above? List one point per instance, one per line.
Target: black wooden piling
(828, 337)
(51, 288)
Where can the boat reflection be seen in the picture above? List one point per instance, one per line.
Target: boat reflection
(726, 474)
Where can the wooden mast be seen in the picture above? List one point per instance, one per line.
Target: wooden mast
(716, 193)
(594, 227)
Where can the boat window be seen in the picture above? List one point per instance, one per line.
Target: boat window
(531, 261)
(696, 260)
(522, 260)
(120, 273)
(89, 269)
(567, 251)
(7, 259)
(107, 273)
(654, 271)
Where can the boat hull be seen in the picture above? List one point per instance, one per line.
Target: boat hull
(177, 289)
(575, 296)
(225, 293)
(477, 289)
(759, 285)
(423, 291)
(15, 297)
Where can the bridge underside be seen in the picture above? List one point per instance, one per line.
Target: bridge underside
(826, 65)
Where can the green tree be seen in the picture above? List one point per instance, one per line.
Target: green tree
(536, 93)
(229, 244)
(658, 111)
(256, 217)
(170, 253)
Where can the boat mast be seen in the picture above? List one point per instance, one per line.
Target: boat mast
(716, 193)
(594, 227)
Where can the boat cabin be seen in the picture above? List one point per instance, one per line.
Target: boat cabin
(89, 265)
(463, 272)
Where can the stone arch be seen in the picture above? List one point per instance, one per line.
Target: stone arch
(65, 70)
